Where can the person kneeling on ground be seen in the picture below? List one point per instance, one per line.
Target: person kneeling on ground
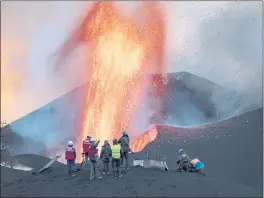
(105, 156)
(116, 154)
(94, 168)
(183, 161)
(70, 156)
(196, 166)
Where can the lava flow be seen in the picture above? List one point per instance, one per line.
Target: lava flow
(121, 52)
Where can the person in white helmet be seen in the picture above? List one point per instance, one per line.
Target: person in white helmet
(183, 161)
(93, 156)
(70, 156)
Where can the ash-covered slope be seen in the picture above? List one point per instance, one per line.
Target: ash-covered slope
(20, 144)
(191, 100)
(231, 149)
(137, 182)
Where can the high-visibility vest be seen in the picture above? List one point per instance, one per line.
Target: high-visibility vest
(116, 151)
(86, 146)
(69, 153)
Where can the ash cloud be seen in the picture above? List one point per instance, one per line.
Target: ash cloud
(222, 43)
(232, 43)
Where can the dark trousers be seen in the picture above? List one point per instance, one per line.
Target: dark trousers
(183, 166)
(106, 166)
(116, 167)
(124, 154)
(70, 165)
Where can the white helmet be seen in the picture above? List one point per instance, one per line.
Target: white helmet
(70, 143)
(181, 150)
(93, 139)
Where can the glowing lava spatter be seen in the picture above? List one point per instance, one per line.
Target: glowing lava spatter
(121, 53)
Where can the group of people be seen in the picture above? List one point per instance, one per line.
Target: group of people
(114, 154)
(184, 163)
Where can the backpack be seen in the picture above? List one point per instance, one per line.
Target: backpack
(185, 159)
(107, 152)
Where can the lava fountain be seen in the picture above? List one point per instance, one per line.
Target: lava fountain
(121, 51)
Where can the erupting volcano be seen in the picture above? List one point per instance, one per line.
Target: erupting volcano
(121, 51)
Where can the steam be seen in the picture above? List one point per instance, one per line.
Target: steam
(223, 44)
(52, 125)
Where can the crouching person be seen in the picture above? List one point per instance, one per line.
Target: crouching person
(70, 156)
(94, 168)
(105, 156)
(196, 166)
(116, 154)
(183, 161)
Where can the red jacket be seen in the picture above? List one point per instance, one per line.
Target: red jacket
(70, 153)
(93, 154)
(86, 146)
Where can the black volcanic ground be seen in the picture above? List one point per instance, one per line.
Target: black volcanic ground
(230, 149)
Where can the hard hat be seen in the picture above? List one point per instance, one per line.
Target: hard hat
(93, 139)
(181, 151)
(70, 143)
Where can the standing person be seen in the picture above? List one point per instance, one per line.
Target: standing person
(125, 146)
(116, 154)
(183, 161)
(94, 168)
(105, 155)
(70, 156)
(86, 149)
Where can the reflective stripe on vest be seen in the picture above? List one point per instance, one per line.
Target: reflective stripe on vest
(116, 151)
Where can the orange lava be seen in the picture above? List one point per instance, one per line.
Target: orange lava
(141, 141)
(121, 52)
